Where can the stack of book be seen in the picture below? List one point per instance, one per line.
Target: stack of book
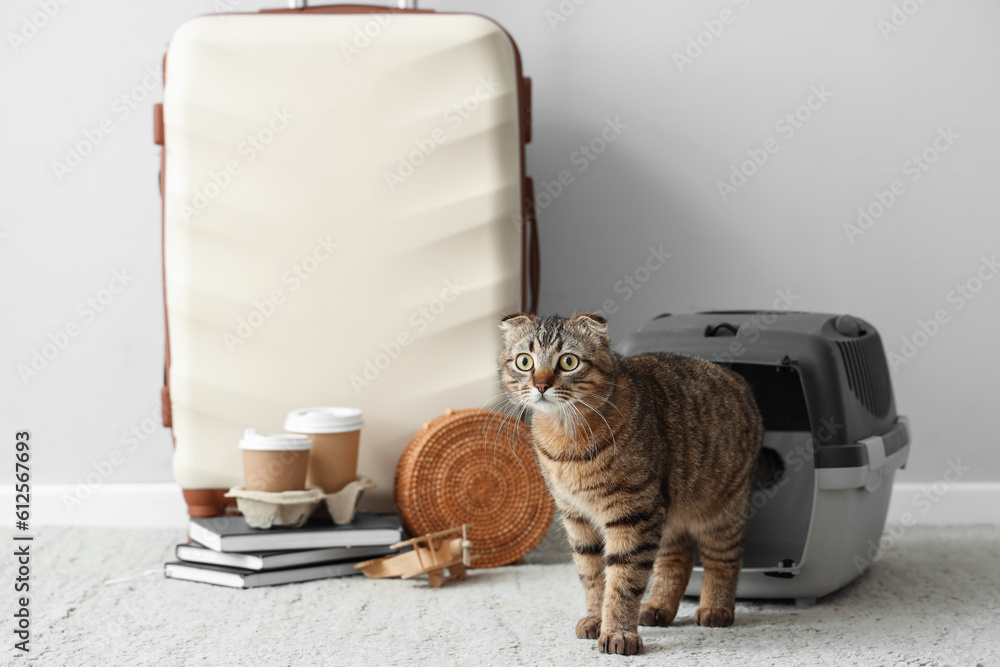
(227, 552)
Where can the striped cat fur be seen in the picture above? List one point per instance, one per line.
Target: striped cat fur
(647, 458)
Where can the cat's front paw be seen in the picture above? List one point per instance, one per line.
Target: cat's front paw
(621, 643)
(588, 628)
(714, 617)
(656, 616)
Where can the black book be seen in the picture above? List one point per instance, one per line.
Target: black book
(232, 533)
(192, 552)
(237, 578)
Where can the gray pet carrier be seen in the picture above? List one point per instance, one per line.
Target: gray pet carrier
(831, 432)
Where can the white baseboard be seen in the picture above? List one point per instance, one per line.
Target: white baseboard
(161, 505)
(944, 504)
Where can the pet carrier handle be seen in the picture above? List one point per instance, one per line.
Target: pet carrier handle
(711, 331)
(886, 453)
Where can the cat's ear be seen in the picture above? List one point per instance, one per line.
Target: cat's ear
(511, 322)
(595, 323)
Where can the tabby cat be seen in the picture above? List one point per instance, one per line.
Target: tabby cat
(645, 457)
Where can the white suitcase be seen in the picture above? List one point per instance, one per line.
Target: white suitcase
(346, 217)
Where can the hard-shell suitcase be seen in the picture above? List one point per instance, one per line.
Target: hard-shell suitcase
(346, 215)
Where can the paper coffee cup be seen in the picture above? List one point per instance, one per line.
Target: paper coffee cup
(335, 434)
(275, 463)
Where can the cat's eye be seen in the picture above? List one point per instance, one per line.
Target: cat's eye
(524, 362)
(569, 362)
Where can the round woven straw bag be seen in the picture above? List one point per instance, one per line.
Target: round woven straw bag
(475, 467)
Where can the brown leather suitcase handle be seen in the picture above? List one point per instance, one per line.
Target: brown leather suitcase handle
(346, 9)
(532, 271)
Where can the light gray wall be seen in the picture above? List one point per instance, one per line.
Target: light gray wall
(656, 184)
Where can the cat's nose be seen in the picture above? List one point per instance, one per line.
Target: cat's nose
(542, 386)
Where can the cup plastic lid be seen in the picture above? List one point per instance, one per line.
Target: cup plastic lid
(269, 442)
(324, 420)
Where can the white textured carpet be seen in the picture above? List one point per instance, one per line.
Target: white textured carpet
(933, 599)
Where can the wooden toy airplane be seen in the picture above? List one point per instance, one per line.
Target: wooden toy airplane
(431, 554)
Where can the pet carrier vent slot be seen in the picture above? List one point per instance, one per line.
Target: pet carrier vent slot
(867, 372)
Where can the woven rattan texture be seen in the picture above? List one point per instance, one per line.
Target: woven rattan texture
(475, 467)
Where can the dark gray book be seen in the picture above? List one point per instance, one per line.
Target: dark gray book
(236, 578)
(231, 533)
(192, 552)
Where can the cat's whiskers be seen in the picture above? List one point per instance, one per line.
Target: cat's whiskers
(517, 426)
(565, 425)
(483, 404)
(506, 415)
(614, 384)
(499, 410)
(610, 430)
(573, 424)
(593, 438)
(510, 435)
(486, 434)
(602, 398)
(578, 428)
(515, 431)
